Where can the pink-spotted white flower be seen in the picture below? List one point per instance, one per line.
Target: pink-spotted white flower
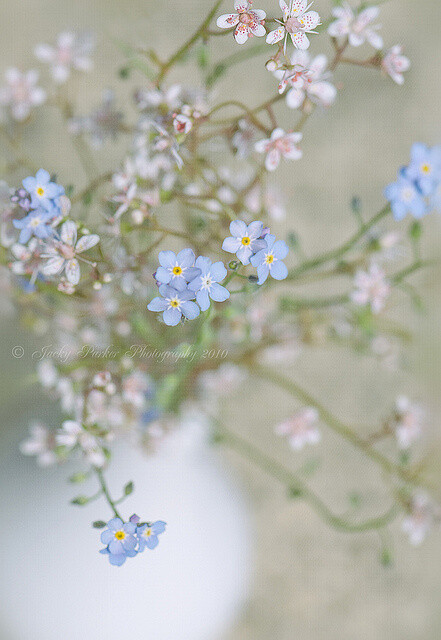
(62, 254)
(301, 428)
(371, 287)
(280, 145)
(21, 93)
(395, 64)
(297, 22)
(407, 422)
(308, 78)
(72, 51)
(356, 26)
(249, 21)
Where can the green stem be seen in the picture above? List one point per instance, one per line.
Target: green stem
(299, 488)
(106, 493)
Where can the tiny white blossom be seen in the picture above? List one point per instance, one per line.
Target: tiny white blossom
(356, 26)
(41, 444)
(395, 64)
(72, 434)
(63, 253)
(71, 51)
(280, 145)
(297, 22)
(21, 93)
(249, 21)
(301, 428)
(407, 422)
(308, 78)
(421, 518)
(371, 287)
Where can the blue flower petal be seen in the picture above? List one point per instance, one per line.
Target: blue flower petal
(278, 270)
(218, 293)
(172, 316)
(203, 300)
(167, 259)
(238, 228)
(190, 310)
(218, 271)
(157, 304)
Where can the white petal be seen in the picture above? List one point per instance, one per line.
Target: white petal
(325, 92)
(285, 9)
(310, 20)
(276, 35)
(272, 160)
(300, 40)
(295, 98)
(257, 29)
(241, 34)
(44, 52)
(227, 21)
(298, 7)
(73, 271)
(87, 242)
(241, 5)
(69, 232)
(53, 266)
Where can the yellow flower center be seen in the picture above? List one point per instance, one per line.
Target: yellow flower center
(269, 258)
(174, 303)
(148, 533)
(40, 191)
(177, 271)
(246, 241)
(120, 535)
(425, 168)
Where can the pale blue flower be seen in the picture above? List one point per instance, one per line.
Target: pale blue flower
(119, 537)
(268, 261)
(43, 192)
(176, 270)
(424, 168)
(174, 304)
(117, 559)
(148, 534)
(405, 197)
(244, 240)
(36, 223)
(206, 285)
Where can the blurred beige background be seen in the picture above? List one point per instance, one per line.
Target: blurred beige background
(311, 583)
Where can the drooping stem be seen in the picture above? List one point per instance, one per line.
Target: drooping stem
(298, 487)
(106, 492)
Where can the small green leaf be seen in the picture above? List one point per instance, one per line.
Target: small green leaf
(80, 500)
(415, 230)
(78, 477)
(128, 489)
(99, 524)
(386, 558)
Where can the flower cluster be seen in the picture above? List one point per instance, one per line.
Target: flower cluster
(418, 188)
(126, 539)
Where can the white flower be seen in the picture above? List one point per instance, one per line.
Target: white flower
(62, 253)
(371, 287)
(124, 199)
(357, 27)
(41, 444)
(47, 374)
(297, 22)
(72, 51)
(269, 198)
(420, 519)
(182, 123)
(243, 139)
(249, 21)
(308, 78)
(395, 64)
(280, 144)
(407, 422)
(21, 93)
(135, 387)
(301, 428)
(72, 434)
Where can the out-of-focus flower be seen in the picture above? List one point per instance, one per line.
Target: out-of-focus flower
(182, 124)
(243, 140)
(72, 51)
(371, 287)
(72, 434)
(164, 100)
(135, 387)
(268, 261)
(269, 198)
(206, 285)
(21, 93)
(301, 428)
(280, 145)
(36, 223)
(249, 21)
(245, 240)
(407, 422)
(395, 64)
(124, 200)
(41, 444)
(421, 517)
(147, 534)
(404, 198)
(62, 254)
(297, 22)
(307, 79)
(174, 304)
(356, 26)
(176, 270)
(425, 167)
(103, 123)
